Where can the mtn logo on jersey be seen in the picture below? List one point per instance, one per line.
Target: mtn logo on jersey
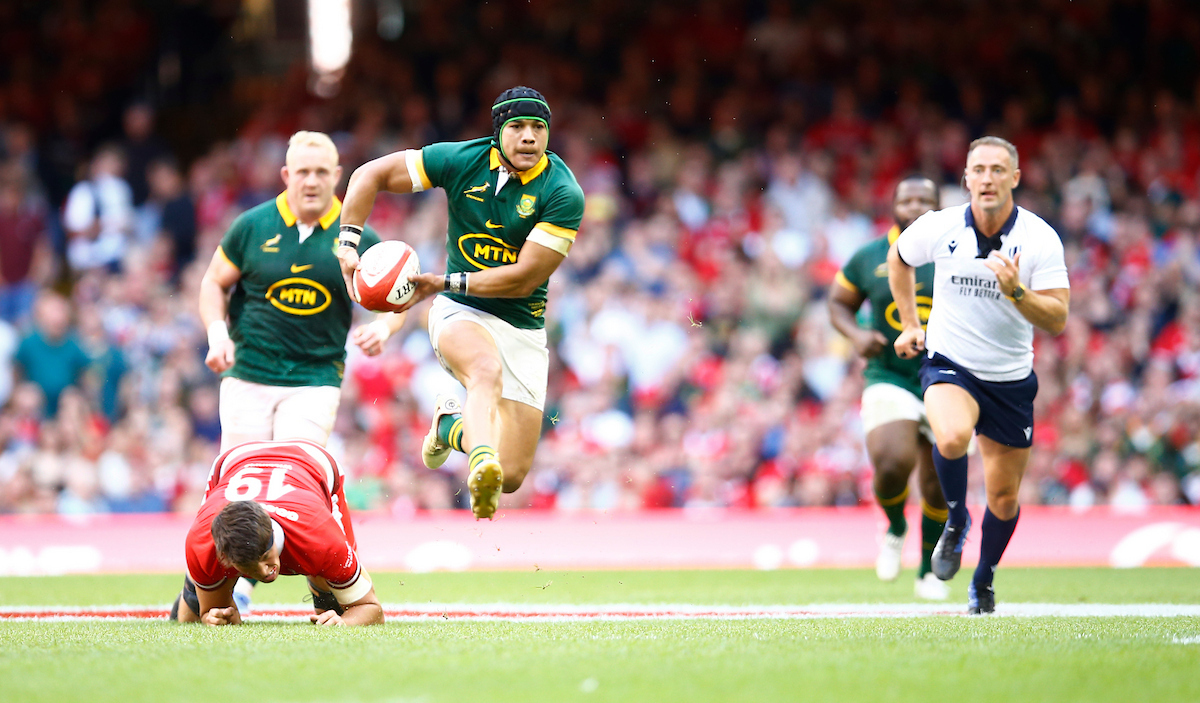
(486, 251)
(525, 207)
(299, 296)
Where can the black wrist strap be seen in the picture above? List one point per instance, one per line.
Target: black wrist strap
(350, 236)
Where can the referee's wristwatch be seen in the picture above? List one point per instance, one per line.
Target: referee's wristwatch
(1018, 293)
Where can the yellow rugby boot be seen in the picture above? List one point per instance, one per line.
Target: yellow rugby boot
(485, 483)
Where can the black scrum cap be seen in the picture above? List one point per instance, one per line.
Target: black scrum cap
(519, 103)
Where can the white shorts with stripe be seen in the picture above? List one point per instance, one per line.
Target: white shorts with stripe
(524, 358)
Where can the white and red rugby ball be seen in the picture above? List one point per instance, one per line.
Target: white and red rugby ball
(384, 281)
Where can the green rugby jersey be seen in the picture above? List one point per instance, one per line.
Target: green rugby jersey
(866, 273)
(289, 313)
(487, 229)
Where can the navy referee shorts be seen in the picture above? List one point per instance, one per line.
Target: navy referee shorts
(1005, 407)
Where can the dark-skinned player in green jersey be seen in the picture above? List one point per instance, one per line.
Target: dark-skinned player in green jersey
(898, 434)
(514, 210)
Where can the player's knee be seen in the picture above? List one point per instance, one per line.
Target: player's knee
(892, 468)
(953, 443)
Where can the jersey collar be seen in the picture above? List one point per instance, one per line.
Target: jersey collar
(289, 217)
(989, 244)
(277, 537)
(527, 175)
(893, 234)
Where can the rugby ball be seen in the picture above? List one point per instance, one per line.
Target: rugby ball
(384, 280)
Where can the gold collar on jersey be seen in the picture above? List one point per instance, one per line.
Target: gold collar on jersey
(527, 175)
(289, 217)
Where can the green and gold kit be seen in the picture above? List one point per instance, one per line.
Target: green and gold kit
(866, 273)
(487, 229)
(290, 313)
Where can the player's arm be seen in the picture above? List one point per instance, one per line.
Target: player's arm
(387, 174)
(364, 611)
(217, 607)
(902, 280)
(535, 263)
(845, 299)
(218, 280)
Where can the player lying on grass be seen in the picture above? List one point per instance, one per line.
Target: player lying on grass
(275, 508)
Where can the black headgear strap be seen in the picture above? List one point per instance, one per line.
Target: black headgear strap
(519, 103)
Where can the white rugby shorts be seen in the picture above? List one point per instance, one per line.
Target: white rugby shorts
(524, 358)
(884, 402)
(253, 411)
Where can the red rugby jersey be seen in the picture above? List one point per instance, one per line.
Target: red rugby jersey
(299, 484)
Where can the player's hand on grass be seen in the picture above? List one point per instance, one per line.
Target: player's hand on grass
(328, 617)
(1008, 271)
(220, 356)
(220, 616)
(869, 343)
(348, 260)
(910, 343)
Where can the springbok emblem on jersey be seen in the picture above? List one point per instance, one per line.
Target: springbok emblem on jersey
(271, 245)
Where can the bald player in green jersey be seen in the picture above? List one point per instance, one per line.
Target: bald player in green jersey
(898, 433)
(514, 209)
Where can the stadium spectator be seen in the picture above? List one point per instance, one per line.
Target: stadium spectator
(98, 215)
(24, 245)
(50, 355)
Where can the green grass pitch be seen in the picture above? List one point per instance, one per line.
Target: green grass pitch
(853, 659)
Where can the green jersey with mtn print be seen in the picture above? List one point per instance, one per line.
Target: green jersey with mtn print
(866, 273)
(488, 228)
(289, 313)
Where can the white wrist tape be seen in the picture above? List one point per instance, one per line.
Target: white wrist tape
(218, 332)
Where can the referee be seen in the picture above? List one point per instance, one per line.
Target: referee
(999, 271)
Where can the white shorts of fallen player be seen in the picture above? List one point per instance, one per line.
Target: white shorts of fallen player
(883, 403)
(253, 411)
(524, 358)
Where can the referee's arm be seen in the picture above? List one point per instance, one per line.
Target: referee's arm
(902, 279)
(1045, 309)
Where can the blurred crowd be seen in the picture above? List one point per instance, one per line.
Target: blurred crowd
(733, 155)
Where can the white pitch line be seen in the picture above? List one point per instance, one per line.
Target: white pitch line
(575, 613)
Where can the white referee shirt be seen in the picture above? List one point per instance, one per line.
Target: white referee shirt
(971, 322)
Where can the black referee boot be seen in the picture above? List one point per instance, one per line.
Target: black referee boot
(981, 600)
(947, 555)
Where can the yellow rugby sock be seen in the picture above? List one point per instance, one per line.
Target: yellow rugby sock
(450, 431)
(480, 454)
